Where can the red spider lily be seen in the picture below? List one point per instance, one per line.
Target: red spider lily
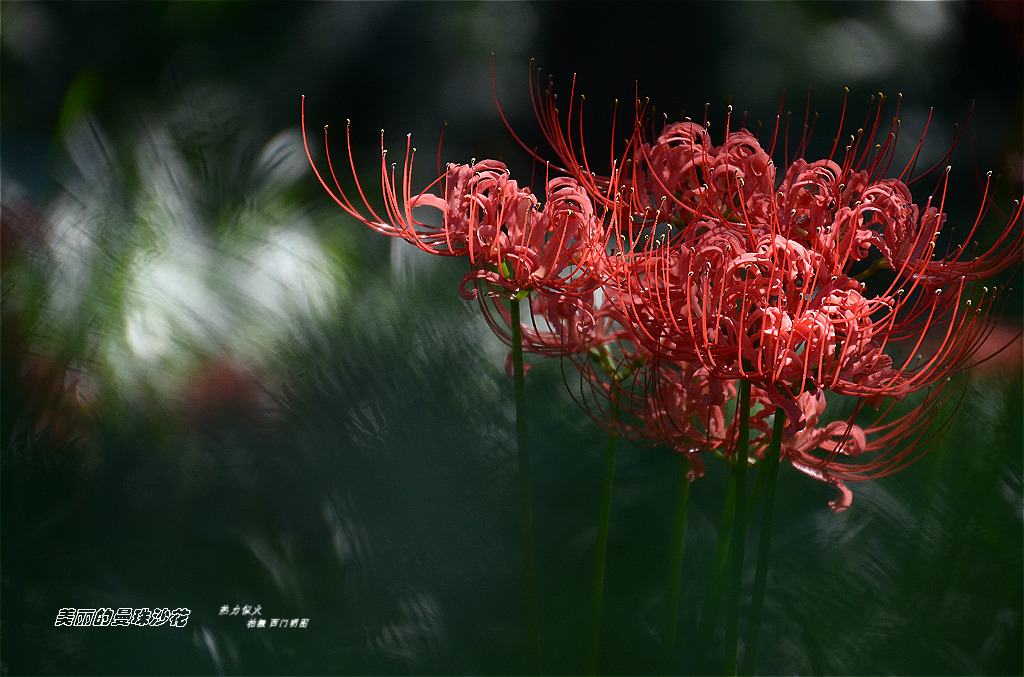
(680, 405)
(778, 314)
(841, 451)
(836, 201)
(722, 274)
(690, 266)
(511, 240)
(757, 284)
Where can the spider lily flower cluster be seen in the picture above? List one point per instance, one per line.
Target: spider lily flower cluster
(690, 267)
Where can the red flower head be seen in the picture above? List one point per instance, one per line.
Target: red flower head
(719, 274)
(760, 284)
(512, 241)
(691, 267)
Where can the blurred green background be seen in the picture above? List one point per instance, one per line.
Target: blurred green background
(218, 390)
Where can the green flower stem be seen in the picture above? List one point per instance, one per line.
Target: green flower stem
(732, 611)
(755, 490)
(597, 593)
(674, 586)
(716, 584)
(525, 492)
(771, 470)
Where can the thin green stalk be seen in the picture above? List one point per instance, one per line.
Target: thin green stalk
(716, 584)
(755, 491)
(674, 586)
(525, 493)
(771, 470)
(597, 593)
(732, 611)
